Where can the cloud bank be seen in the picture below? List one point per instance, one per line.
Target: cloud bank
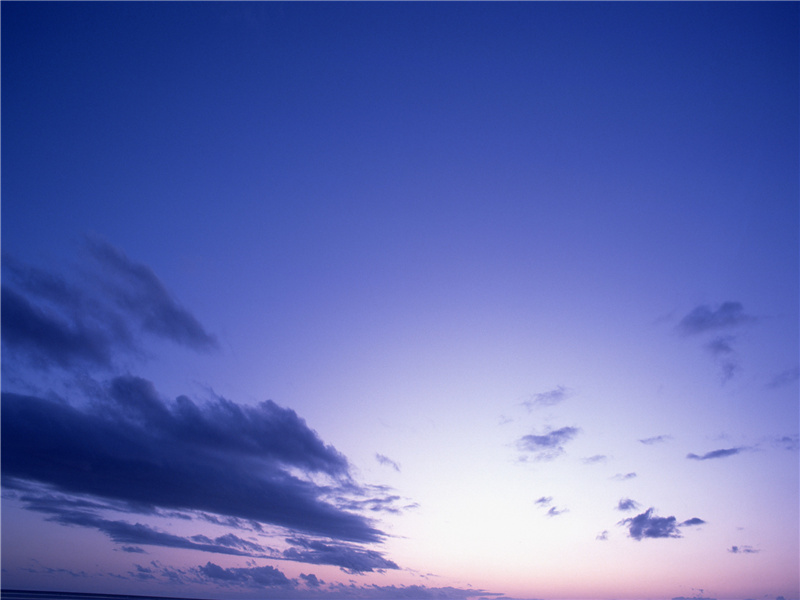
(115, 445)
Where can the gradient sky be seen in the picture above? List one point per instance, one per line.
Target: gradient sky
(381, 300)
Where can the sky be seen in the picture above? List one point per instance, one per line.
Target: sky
(401, 300)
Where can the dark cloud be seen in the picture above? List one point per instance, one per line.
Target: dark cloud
(549, 398)
(658, 439)
(255, 577)
(743, 550)
(627, 504)
(311, 580)
(548, 445)
(705, 318)
(722, 453)
(384, 460)
(47, 338)
(646, 525)
(349, 558)
(218, 458)
(132, 549)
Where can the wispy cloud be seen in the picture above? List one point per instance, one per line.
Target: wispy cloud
(548, 445)
(545, 502)
(721, 453)
(657, 439)
(704, 318)
(138, 292)
(386, 461)
(624, 476)
(596, 459)
(743, 550)
(548, 398)
(51, 320)
(784, 378)
(627, 504)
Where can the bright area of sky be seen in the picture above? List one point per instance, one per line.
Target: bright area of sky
(400, 300)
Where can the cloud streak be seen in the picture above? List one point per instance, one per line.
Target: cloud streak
(721, 453)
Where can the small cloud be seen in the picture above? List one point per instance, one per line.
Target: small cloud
(647, 525)
(548, 445)
(743, 550)
(784, 378)
(722, 453)
(602, 536)
(549, 398)
(384, 460)
(627, 504)
(705, 318)
(544, 501)
(693, 521)
(311, 580)
(132, 549)
(624, 476)
(554, 511)
(789, 442)
(593, 460)
(721, 345)
(257, 577)
(657, 439)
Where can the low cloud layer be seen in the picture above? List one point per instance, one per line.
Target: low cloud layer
(219, 457)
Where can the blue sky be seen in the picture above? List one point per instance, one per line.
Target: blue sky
(367, 300)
